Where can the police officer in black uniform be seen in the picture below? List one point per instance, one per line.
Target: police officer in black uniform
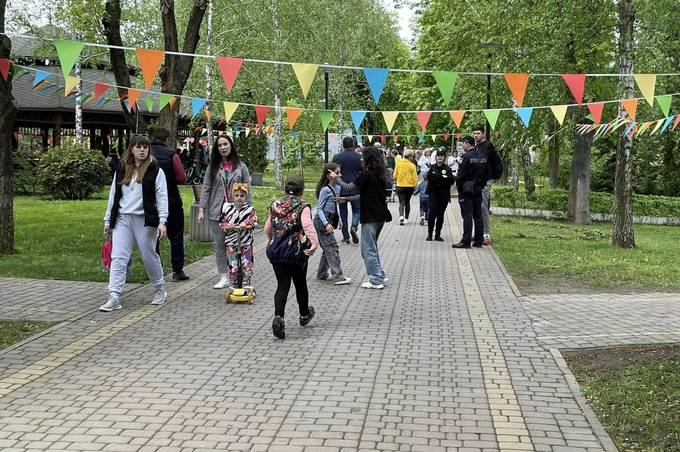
(473, 173)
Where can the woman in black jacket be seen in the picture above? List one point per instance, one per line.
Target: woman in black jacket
(439, 181)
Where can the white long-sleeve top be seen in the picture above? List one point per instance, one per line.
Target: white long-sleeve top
(131, 202)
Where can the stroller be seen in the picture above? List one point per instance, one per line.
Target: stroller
(389, 189)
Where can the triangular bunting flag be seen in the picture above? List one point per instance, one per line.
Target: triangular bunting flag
(261, 112)
(677, 121)
(596, 109)
(305, 75)
(370, 137)
(292, 113)
(229, 67)
(647, 85)
(5, 63)
(434, 136)
(458, 135)
(148, 101)
(68, 53)
(666, 124)
(576, 84)
(446, 82)
(421, 137)
(258, 129)
(39, 77)
(524, 114)
(423, 118)
(247, 131)
(382, 138)
(326, 118)
(99, 89)
(150, 61)
(208, 115)
(658, 125)
(70, 84)
(229, 109)
(395, 139)
(517, 82)
(165, 99)
(390, 117)
(357, 118)
(630, 105)
(492, 116)
(133, 95)
(457, 117)
(127, 105)
(294, 134)
(376, 78)
(664, 103)
(560, 111)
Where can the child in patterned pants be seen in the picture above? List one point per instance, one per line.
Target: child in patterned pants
(238, 220)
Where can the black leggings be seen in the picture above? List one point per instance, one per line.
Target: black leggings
(404, 194)
(284, 274)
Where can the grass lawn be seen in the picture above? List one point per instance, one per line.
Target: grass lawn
(536, 252)
(635, 393)
(13, 331)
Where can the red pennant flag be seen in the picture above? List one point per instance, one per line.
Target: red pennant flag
(423, 118)
(576, 84)
(446, 136)
(596, 110)
(457, 117)
(258, 129)
(382, 138)
(229, 67)
(133, 95)
(630, 105)
(676, 123)
(99, 89)
(261, 112)
(150, 61)
(4, 67)
(517, 82)
(458, 135)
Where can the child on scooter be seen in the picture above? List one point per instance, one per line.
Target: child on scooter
(237, 221)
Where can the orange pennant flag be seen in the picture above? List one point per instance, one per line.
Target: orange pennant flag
(457, 117)
(517, 82)
(133, 95)
(150, 61)
(630, 105)
(292, 113)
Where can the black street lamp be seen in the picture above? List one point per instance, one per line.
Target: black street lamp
(325, 143)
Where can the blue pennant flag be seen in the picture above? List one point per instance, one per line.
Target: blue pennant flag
(629, 129)
(376, 78)
(525, 114)
(127, 106)
(39, 77)
(357, 118)
(667, 123)
(294, 134)
(196, 105)
(421, 137)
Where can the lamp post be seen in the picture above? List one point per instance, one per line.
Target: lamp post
(325, 143)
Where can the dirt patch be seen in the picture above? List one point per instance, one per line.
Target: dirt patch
(610, 359)
(561, 284)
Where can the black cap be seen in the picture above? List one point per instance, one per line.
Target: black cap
(295, 184)
(468, 139)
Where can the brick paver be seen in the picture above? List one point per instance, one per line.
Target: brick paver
(444, 358)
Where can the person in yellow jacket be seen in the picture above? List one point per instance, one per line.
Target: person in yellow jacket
(406, 178)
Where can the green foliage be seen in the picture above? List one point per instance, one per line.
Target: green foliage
(13, 331)
(25, 179)
(303, 146)
(72, 172)
(253, 151)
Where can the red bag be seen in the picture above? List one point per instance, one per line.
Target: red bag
(107, 247)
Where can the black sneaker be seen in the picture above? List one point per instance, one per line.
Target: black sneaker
(278, 326)
(428, 238)
(353, 233)
(460, 245)
(304, 320)
(345, 240)
(179, 276)
(438, 239)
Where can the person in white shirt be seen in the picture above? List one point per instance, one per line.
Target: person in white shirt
(424, 162)
(136, 214)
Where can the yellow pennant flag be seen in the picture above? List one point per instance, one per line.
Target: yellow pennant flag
(647, 84)
(229, 109)
(560, 111)
(70, 84)
(305, 74)
(370, 137)
(247, 131)
(390, 117)
(643, 128)
(434, 136)
(658, 125)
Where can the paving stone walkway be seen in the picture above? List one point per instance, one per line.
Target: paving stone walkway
(448, 357)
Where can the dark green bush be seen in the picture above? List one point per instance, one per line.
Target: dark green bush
(72, 172)
(253, 151)
(25, 179)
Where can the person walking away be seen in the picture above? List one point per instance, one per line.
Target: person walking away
(224, 170)
(238, 221)
(423, 196)
(326, 221)
(350, 166)
(168, 160)
(136, 213)
(439, 181)
(487, 148)
(473, 175)
(406, 178)
(292, 239)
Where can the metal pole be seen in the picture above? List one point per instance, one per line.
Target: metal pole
(208, 78)
(488, 96)
(325, 144)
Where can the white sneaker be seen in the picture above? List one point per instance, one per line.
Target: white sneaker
(422, 220)
(112, 304)
(368, 285)
(159, 297)
(343, 281)
(386, 280)
(405, 220)
(223, 283)
(401, 221)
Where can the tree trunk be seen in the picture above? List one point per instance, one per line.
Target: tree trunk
(176, 69)
(553, 155)
(529, 184)
(514, 169)
(623, 234)
(8, 111)
(579, 187)
(208, 77)
(278, 144)
(79, 103)
(111, 23)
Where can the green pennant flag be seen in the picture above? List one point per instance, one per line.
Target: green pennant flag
(492, 116)
(664, 103)
(68, 52)
(446, 82)
(149, 103)
(326, 118)
(163, 100)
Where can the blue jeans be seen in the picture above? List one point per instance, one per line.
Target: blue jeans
(343, 216)
(370, 232)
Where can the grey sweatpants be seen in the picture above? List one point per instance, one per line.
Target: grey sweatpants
(130, 230)
(486, 196)
(330, 259)
(218, 236)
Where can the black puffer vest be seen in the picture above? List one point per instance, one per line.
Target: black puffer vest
(163, 156)
(151, 217)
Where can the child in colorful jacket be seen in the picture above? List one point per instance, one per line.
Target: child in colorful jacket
(237, 221)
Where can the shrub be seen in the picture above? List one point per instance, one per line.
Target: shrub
(25, 180)
(253, 151)
(72, 172)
